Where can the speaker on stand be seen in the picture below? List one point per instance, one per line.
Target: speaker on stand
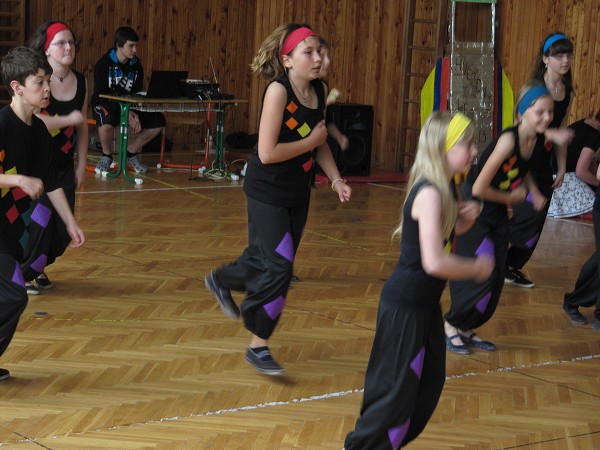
(356, 122)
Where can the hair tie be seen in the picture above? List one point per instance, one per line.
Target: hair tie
(552, 39)
(537, 91)
(52, 30)
(456, 128)
(294, 38)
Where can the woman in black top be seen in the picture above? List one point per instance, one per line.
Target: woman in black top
(553, 69)
(65, 119)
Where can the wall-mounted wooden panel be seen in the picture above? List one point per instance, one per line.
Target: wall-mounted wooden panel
(365, 37)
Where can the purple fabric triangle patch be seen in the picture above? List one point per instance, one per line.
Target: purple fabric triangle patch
(17, 277)
(286, 247)
(417, 364)
(40, 263)
(397, 434)
(41, 215)
(531, 242)
(482, 304)
(274, 308)
(486, 248)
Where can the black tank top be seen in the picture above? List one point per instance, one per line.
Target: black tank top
(63, 140)
(409, 283)
(287, 183)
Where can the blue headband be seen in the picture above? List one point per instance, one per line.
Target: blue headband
(552, 39)
(539, 90)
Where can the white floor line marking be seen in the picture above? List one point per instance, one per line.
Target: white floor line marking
(388, 187)
(317, 397)
(178, 188)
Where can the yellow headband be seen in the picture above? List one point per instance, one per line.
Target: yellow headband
(456, 128)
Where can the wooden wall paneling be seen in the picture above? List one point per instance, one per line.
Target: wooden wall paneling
(340, 63)
(520, 39)
(366, 38)
(586, 17)
(387, 101)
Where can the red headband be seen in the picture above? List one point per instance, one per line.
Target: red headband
(52, 30)
(294, 38)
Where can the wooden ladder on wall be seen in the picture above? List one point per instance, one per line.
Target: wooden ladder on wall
(12, 32)
(425, 36)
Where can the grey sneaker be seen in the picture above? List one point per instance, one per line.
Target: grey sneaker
(263, 362)
(137, 165)
(104, 164)
(31, 289)
(223, 296)
(4, 374)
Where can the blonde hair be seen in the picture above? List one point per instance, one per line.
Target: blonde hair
(267, 62)
(430, 163)
(526, 87)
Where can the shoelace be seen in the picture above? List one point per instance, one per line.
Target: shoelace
(264, 355)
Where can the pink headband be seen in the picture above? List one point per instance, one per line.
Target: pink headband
(52, 30)
(294, 38)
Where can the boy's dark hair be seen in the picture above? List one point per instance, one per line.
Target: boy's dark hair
(124, 34)
(21, 62)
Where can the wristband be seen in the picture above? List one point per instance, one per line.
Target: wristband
(335, 181)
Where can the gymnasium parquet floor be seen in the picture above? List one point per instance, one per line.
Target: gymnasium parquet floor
(129, 351)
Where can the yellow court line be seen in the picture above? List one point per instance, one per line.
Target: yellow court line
(341, 241)
(179, 188)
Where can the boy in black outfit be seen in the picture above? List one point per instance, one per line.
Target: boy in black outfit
(120, 72)
(25, 173)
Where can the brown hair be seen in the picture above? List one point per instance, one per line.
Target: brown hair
(267, 62)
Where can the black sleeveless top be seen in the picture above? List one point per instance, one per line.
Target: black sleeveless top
(409, 283)
(63, 140)
(287, 183)
(511, 172)
(544, 162)
(560, 109)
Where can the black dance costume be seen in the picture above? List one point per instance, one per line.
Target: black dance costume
(24, 149)
(277, 196)
(587, 287)
(526, 223)
(62, 154)
(407, 366)
(473, 304)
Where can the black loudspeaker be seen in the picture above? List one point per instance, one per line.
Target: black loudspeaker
(356, 122)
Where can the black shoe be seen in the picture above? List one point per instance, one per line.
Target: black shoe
(596, 324)
(573, 312)
(263, 362)
(481, 345)
(31, 288)
(4, 374)
(223, 296)
(43, 282)
(516, 277)
(295, 279)
(460, 349)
